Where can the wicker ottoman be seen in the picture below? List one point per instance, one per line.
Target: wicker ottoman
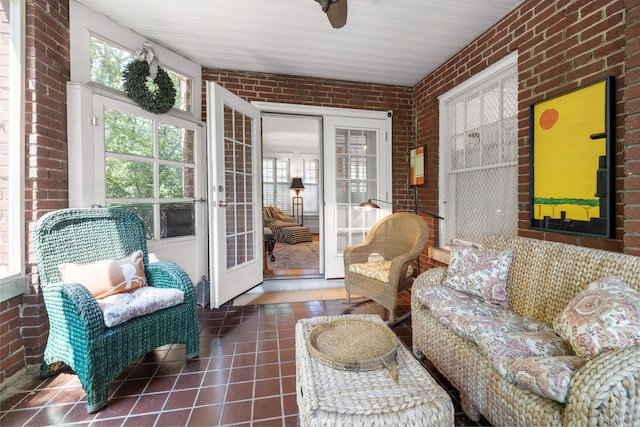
(334, 397)
(293, 235)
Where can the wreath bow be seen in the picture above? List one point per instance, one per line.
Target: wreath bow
(146, 54)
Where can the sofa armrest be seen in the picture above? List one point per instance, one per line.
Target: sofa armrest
(431, 277)
(606, 391)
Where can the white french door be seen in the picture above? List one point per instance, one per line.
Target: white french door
(235, 195)
(357, 168)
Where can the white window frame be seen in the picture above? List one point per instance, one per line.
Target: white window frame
(14, 283)
(508, 61)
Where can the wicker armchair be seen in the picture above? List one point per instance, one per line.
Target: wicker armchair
(399, 238)
(78, 336)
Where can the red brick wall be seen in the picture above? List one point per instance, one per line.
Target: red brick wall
(327, 93)
(46, 185)
(631, 98)
(561, 45)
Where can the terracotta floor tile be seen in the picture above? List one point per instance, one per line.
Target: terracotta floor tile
(239, 391)
(181, 399)
(265, 388)
(269, 407)
(211, 395)
(173, 418)
(236, 412)
(150, 402)
(140, 420)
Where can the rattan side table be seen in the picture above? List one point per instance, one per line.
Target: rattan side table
(334, 397)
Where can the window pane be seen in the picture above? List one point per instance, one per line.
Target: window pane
(128, 179)
(177, 220)
(146, 213)
(127, 134)
(176, 182)
(175, 143)
(107, 63)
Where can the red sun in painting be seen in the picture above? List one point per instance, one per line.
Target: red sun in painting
(548, 118)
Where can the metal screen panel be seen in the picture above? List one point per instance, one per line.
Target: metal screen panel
(481, 158)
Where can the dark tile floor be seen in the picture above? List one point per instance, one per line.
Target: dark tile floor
(244, 376)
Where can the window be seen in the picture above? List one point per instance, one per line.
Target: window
(276, 183)
(311, 181)
(479, 154)
(108, 62)
(150, 169)
(11, 149)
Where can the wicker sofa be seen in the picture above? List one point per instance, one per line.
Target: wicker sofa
(543, 279)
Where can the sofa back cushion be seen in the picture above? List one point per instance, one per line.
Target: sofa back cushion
(545, 276)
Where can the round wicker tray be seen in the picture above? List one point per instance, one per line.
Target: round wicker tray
(353, 345)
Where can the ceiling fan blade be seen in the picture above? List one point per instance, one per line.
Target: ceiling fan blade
(337, 13)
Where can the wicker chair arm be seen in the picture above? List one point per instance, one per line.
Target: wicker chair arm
(606, 391)
(72, 309)
(167, 274)
(357, 253)
(399, 266)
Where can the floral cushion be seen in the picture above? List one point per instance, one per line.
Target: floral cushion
(446, 304)
(119, 308)
(469, 327)
(604, 316)
(504, 348)
(376, 270)
(479, 272)
(547, 376)
(107, 277)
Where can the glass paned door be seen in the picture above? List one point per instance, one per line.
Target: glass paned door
(235, 195)
(357, 169)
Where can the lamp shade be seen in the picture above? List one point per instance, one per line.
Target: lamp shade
(296, 184)
(369, 204)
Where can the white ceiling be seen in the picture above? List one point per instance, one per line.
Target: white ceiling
(395, 42)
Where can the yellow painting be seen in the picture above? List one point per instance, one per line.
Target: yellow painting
(571, 160)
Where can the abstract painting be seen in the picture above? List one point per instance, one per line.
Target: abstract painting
(572, 161)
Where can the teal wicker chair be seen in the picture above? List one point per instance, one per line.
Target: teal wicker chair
(78, 336)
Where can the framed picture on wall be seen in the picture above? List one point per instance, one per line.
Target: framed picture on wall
(572, 160)
(417, 166)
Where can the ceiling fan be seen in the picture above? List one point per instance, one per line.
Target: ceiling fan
(336, 11)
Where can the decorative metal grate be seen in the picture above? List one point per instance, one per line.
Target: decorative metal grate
(481, 158)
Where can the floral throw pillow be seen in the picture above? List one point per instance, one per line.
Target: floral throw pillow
(602, 317)
(481, 273)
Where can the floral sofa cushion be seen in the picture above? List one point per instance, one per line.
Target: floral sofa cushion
(447, 304)
(376, 270)
(470, 327)
(119, 308)
(523, 350)
(479, 272)
(504, 348)
(604, 316)
(547, 376)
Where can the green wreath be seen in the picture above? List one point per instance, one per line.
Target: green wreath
(157, 98)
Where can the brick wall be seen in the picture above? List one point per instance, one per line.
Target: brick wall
(631, 195)
(327, 93)
(561, 45)
(46, 185)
